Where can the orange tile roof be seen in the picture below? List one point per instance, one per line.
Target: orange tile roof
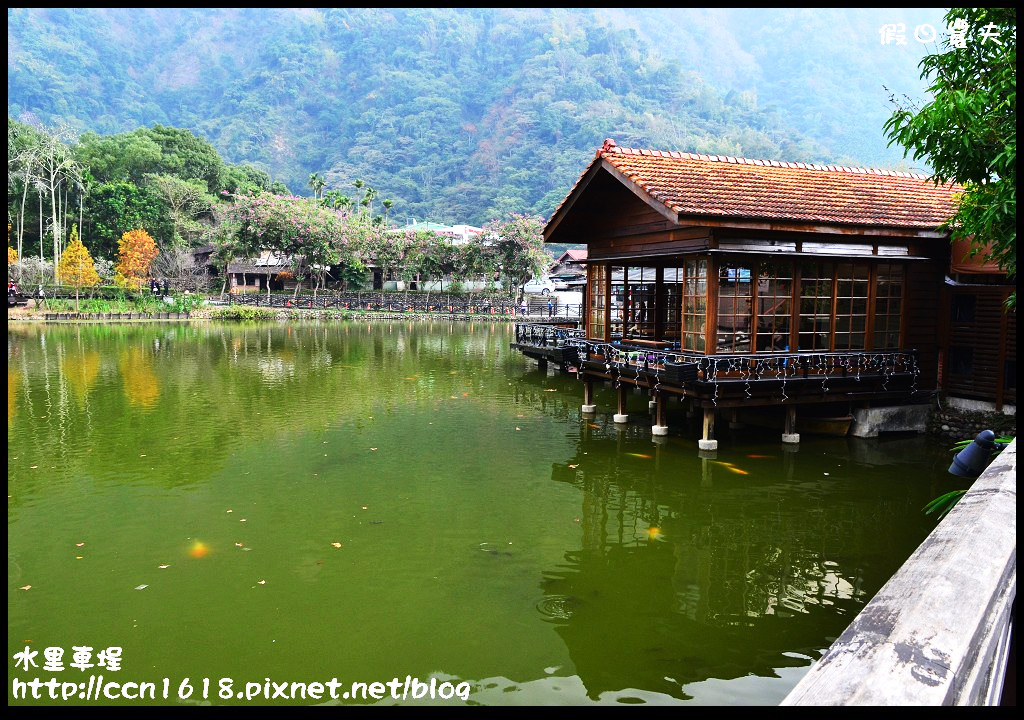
(729, 187)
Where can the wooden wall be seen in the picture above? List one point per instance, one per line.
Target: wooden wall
(921, 320)
(986, 336)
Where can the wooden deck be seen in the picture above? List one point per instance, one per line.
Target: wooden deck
(729, 380)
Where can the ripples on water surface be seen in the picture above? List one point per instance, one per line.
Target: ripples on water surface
(374, 501)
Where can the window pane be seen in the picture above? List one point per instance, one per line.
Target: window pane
(735, 309)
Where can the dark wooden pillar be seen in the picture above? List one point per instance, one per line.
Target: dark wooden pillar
(790, 435)
(588, 396)
(708, 441)
(622, 393)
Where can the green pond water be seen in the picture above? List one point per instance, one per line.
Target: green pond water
(371, 501)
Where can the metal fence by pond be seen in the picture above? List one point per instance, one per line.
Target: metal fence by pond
(414, 302)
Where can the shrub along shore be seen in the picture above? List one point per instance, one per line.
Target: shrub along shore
(64, 311)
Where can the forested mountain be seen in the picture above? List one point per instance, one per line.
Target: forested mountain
(464, 115)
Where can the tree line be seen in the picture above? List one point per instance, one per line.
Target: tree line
(125, 207)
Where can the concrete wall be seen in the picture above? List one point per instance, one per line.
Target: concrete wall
(955, 423)
(938, 632)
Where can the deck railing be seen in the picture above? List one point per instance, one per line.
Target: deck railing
(939, 632)
(625, 357)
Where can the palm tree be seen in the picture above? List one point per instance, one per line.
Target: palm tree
(368, 199)
(317, 183)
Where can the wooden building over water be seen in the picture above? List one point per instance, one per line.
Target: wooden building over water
(736, 284)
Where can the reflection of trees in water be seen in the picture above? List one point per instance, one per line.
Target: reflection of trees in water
(686, 568)
(141, 386)
(81, 369)
(216, 386)
(13, 378)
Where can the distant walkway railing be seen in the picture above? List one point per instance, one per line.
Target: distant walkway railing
(939, 632)
(420, 303)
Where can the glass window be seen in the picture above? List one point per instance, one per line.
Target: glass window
(735, 309)
(597, 276)
(617, 300)
(888, 306)
(964, 307)
(641, 303)
(852, 280)
(815, 324)
(672, 282)
(774, 305)
(695, 304)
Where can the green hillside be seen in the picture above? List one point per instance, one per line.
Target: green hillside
(458, 115)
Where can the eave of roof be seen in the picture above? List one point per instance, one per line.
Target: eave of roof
(691, 185)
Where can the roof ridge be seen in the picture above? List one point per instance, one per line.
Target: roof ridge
(610, 148)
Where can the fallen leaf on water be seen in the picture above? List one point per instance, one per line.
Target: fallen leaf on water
(365, 507)
(336, 544)
(518, 428)
(142, 587)
(373, 448)
(79, 544)
(230, 511)
(550, 390)
(163, 567)
(573, 467)
(238, 544)
(242, 520)
(261, 582)
(25, 587)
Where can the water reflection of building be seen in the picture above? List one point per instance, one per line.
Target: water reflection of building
(688, 571)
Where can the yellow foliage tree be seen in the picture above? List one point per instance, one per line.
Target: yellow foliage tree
(136, 251)
(12, 256)
(76, 267)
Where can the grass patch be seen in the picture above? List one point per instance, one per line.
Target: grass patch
(243, 312)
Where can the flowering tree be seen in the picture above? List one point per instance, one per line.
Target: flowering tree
(517, 249)
(76, 267)
(432, 256)
(136, 250)
(311, 236)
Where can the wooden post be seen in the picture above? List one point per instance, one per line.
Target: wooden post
(789, 434)
(708, 442)
(622, 416)
(588, 397)
(660, 426)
